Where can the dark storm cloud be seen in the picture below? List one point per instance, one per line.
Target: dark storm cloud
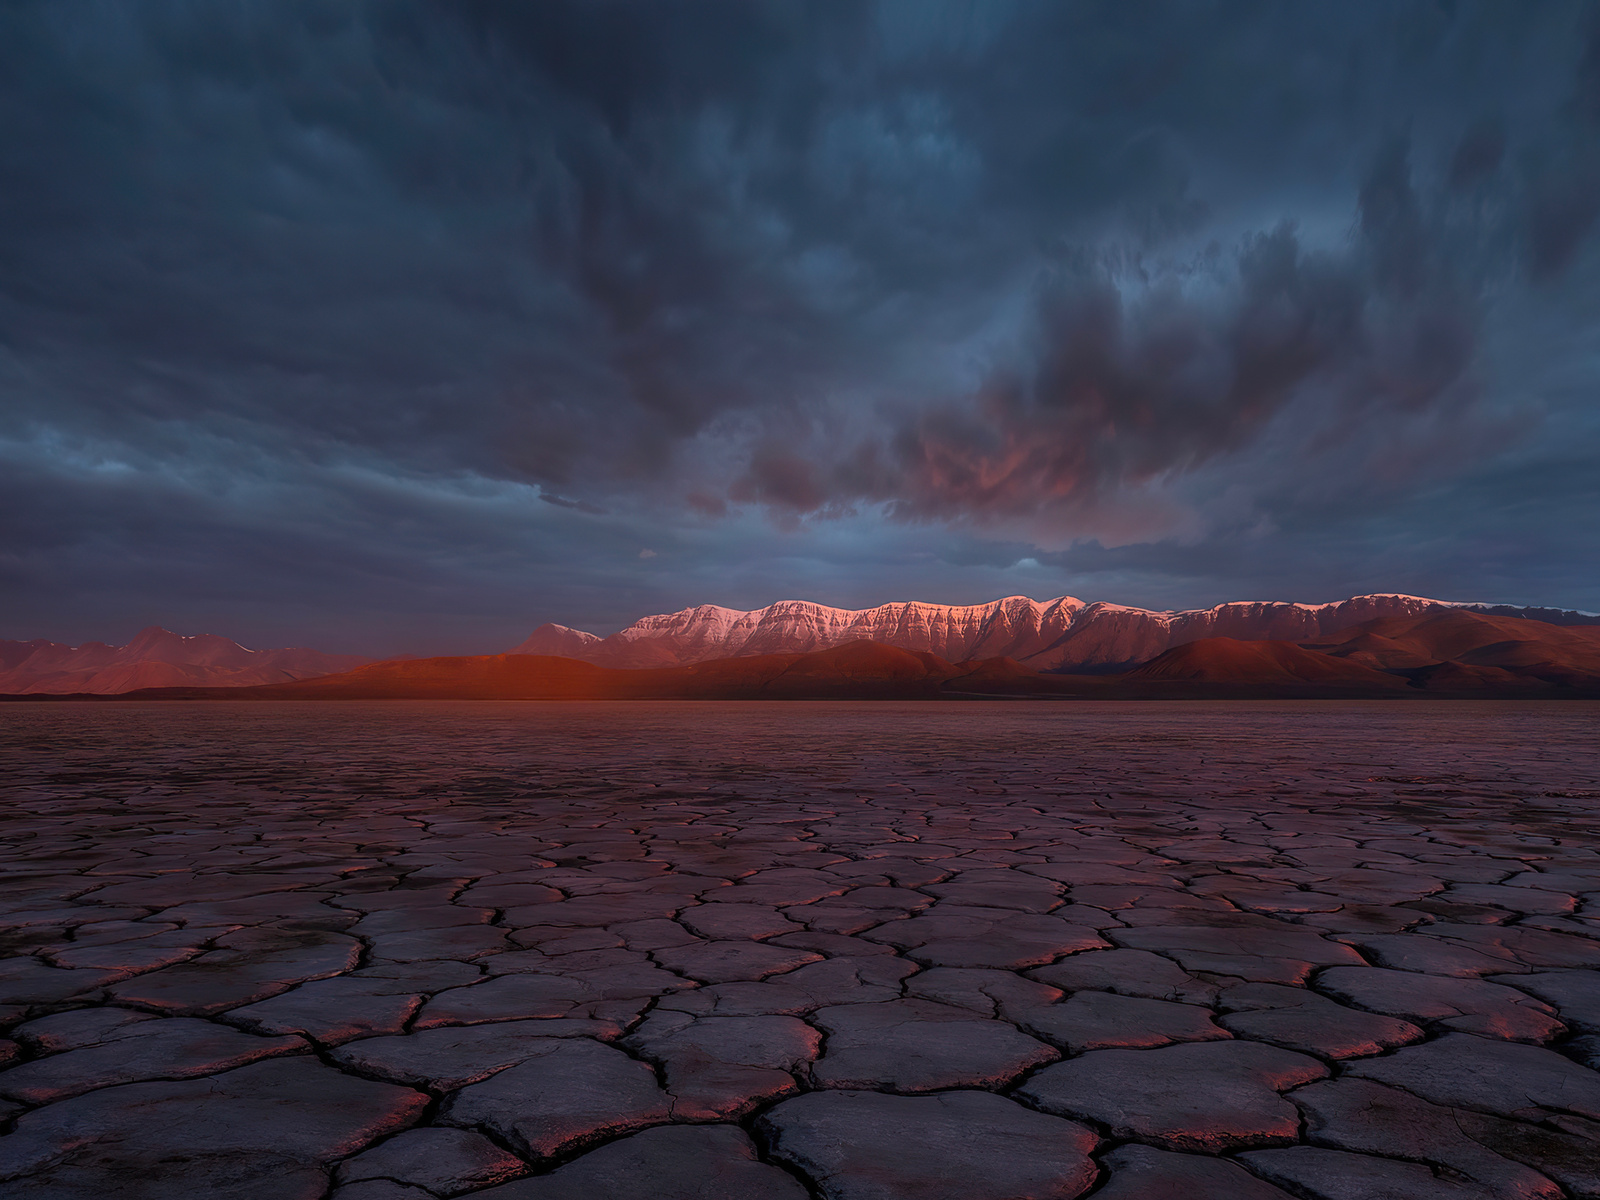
(1478, 154)
(1561, 211)
(1122, 391)
(724, 283)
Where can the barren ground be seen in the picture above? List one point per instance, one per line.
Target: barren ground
(617, 951)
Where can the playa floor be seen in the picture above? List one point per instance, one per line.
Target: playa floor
(946, 951)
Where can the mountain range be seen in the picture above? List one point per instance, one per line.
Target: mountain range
(1441, 652)
(156, 658)
(1368, 645)
(1061, 636)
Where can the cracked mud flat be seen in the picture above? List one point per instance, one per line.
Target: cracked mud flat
(856, 951)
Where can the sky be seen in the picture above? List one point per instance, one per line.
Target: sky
(408, 326)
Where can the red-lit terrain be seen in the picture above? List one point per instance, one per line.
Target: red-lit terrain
(1442, 651)
(1228, 660)
(859, 670)
(1460, 649)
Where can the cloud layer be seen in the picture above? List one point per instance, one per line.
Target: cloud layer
(407, 325)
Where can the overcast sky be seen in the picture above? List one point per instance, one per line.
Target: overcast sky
(409, 326)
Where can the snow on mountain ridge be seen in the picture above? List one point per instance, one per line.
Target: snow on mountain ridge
(954, 632)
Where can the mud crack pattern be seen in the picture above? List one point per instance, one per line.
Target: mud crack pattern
(854, 951)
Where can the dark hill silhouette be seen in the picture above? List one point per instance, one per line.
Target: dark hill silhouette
(1480, 650)
(1228, 660)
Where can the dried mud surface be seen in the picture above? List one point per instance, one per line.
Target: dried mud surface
(618, 951)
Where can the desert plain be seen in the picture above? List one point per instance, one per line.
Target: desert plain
(863, 951)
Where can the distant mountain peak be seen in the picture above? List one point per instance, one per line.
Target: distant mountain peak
(558, 640)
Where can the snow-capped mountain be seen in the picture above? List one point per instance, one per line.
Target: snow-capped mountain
(1013, 627)
(157, 658)
(1064, 634)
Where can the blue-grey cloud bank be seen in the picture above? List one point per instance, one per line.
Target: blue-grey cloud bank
(407, 326)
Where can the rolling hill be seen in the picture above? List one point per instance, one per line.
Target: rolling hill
(1230, 661)
(156, 658)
